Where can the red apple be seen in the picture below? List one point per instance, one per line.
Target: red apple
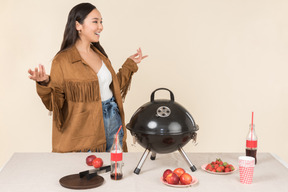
(166, 172)
(173, 179)
(97, 162)
(185, 179)
(179, 171)
(89, 159)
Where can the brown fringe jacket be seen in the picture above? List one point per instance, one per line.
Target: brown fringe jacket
(74, 97)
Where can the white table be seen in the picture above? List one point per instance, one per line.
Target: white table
(41, 172)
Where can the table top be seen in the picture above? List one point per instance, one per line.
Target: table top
(42, 171)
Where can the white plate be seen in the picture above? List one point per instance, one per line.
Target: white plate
(218, 173)
(194, 181)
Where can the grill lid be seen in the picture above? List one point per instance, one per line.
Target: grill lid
(162, 117)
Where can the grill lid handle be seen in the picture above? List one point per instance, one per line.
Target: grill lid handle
(171, 94)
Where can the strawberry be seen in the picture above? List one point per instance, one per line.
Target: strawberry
(208, 166)
(222, 167)
(225, 164)
(213, 170)
(219, 169)
(216, 166)
(218, 161)
(227, 169)
(231, 168)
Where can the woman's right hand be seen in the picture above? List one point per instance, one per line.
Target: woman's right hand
(39, 75)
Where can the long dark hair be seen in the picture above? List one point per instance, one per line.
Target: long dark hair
(77, 13)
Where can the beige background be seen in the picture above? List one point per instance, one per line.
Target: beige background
(222, 59)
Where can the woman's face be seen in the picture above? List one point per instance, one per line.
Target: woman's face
(91, 28)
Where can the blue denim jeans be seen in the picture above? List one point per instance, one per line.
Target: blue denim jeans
(112, 122)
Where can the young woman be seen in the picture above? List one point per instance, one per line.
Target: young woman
(83, 91)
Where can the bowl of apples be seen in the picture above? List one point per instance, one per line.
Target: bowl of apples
(178, 178)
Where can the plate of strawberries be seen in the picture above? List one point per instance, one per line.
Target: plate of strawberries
(219, 167)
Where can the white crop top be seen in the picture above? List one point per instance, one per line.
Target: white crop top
(105, 79)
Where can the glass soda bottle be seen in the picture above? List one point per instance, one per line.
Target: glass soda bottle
(251, 143)
(116, 159)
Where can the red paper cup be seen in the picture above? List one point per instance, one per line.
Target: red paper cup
(246, 169)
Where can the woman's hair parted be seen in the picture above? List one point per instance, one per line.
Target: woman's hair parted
(77, 13)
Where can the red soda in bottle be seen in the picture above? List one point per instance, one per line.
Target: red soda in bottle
(116, 159)
(251, 143)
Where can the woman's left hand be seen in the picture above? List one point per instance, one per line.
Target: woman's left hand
(137, 57)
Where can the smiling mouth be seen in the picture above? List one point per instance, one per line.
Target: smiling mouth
(97, 33)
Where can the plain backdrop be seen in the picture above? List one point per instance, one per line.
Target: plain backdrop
(222, 59)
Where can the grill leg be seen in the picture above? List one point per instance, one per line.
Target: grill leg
(182, 152)
(153, 156)
(141, 162)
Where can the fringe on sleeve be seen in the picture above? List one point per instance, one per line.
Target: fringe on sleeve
(126, 88)
(56, 107)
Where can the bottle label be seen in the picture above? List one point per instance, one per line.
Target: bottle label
(116, 156)
(251, 144)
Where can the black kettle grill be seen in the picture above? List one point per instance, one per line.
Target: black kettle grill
(162, 126)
